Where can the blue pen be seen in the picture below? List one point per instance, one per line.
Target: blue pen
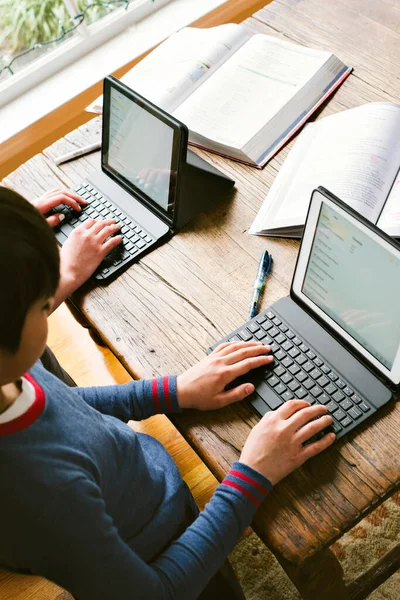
(264, 269)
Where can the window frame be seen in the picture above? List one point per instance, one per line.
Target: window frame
(89, 38)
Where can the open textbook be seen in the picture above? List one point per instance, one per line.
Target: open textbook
(355, 154)
(240, 95)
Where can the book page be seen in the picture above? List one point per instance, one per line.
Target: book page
(265, 73)
(354, 154)
(389, 220)
(173, 70)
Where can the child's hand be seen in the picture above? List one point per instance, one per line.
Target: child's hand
(203, 386)
(275, 445)
(51, 199)
(84, 250)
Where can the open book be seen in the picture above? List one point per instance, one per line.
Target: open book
(240, 95)
(355, 154)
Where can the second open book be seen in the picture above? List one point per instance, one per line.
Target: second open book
(240, 95)
(355, 154)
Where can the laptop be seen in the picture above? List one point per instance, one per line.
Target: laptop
(336, 338)
(149, 182)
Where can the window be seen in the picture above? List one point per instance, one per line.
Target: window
(37, 39)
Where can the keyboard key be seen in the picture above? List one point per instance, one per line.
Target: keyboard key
(355, 413)
(273, 401)
(140, 244)
(330, 389)
(260, 334)
(301, 359)
(310, 354)
(280, 355)
(287, 396)
(308, 366)
(283, 327)
(340, 384)
(325, 369)
(286, 378)
(324, 399)
(364, 407)
(301, 376)
(294, 369)
(235, 338)
(287, 362)
(318, 362)
(338, 396)
(340, 415)
(279, 371)
(245, 335)
(276, 321)
(332, 376)
(301, 393)
(293, 385)
(270, 314)
(308, 384)
(267, 341)
(280, 339)
(290, 334)
(356, 400)
(323, 381)
(304, 348)
(273, 332)
(346, 422)
(129, 234)
(315, 373)
(280, 388)
(287, 345)
(253, 327)
(274, 347)
(296, 341)
(273, 381)
(346, 404)
(148, 239)
(260, 319)
(331, 406)
(316, 391)
(142, 233)
(348, 391)
(129, 245)
(335, 427)
(293, 352)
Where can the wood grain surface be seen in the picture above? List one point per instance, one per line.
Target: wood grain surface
(164, 312)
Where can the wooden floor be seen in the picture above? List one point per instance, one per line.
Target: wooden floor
(91, 364)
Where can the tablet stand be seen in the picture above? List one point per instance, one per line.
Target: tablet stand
(200, 187)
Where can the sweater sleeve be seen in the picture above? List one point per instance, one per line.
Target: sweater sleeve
(81, 549)
(135, 400)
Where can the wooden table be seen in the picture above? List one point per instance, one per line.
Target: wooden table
(164, 312)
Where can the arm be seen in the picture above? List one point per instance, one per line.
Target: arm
(84, 552)
(135, 400)
(201, 387)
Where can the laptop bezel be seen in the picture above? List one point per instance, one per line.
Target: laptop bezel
(318, 196)
(179, 150)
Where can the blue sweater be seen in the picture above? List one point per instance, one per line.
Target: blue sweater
(102, 510)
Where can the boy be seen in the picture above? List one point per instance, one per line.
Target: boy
(87, 502)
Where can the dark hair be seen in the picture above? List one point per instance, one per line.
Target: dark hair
(29, 264)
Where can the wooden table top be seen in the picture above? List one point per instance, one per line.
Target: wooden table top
(162, 314)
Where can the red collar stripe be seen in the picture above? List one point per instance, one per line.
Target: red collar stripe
(30, 416)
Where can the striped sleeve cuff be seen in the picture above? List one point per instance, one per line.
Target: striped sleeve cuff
(248, 483)
(162, 391)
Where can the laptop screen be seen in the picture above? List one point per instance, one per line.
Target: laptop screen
(351, 277)
(141, 147)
